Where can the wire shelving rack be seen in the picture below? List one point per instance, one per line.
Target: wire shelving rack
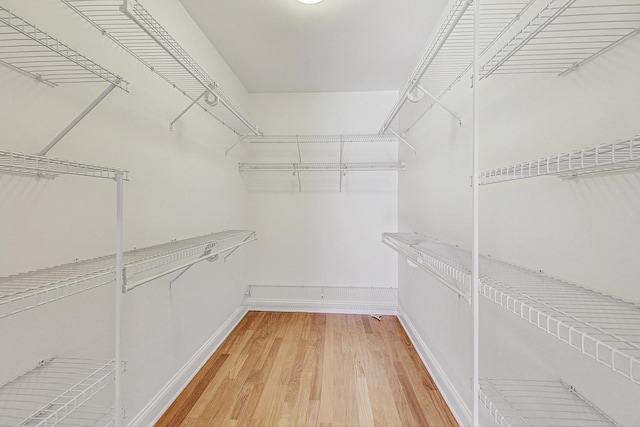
(36, 53)
(32, 164)
(563, 35)
(620, 155)
(435, 258)
(55, 392)
(132, 27)
(600, 326)
(519, 403)
(449, 56)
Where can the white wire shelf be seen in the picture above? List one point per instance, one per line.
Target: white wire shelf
(435, 258)
(373, 300)
(564, 35)
(320, 139)
(539, 403)
(322, 167)
(449, 55)
(54, 393)
(29, 290)
(32, 164)
(128, 24)
(602, 327)
(27, 49)
(619, 155)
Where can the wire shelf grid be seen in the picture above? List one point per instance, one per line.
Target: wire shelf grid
(32, 51)
(564, 35)
(322, 167)
(320, 139)
(132, 27)
(15, 162)
(619, 155)
(602, 327)
(539, 403)
(55, 390)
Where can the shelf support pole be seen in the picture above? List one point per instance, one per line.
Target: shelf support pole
(299, 162)
(341, 166)
(437, 101)
(475, 281)
(404, 140)
(118, 414)
(77, 120)
(236, 248)
(194, 102)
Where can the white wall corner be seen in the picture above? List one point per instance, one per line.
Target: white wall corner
(456, 403)
(158, 405)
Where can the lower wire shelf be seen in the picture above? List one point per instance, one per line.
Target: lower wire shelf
(539, 403)
(600, 326)
(54, 393)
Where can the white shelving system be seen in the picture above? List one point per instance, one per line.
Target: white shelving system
(55, 393)
(599, 326)
(132, 27)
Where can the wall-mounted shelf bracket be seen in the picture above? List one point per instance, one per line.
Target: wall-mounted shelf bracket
(437, 101)
(403, 140)
(228, 150)
(77, 120)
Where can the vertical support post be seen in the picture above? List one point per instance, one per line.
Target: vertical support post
(476, 172)
(118, 414)
(77, 120)
(299, 162)
(341, 146)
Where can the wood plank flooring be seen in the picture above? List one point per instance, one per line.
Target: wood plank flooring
(310, 369)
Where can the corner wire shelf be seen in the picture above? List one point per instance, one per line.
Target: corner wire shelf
(373, 300)
(449, 55)
(434, 258)
(25, 48)
(320, 139)
(600, 326)
(564, 35)
(617, 156)
(129, 25)
(32, 164)
(54, 393)
(539, 403)
(29, 290)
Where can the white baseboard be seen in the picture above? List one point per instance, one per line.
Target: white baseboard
(152, 412)
(458, 407)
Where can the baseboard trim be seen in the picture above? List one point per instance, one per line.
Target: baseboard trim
(458, 407)
(152, 412)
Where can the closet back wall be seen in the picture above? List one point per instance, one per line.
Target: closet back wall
(321, 236)
(182, 185)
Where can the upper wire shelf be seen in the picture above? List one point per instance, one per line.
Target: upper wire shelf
(322, 167)
(27, 49)
(539, 403)
(433, 257)
(320, 139)
(54, 393)
(565, 34)
(616, 156)
(601, 326)
(128, 24)
(29, 290)
(449, 55)
(32, 164)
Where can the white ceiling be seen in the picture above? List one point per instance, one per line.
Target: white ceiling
(333, 46)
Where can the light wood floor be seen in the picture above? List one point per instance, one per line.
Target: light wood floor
(306, 369)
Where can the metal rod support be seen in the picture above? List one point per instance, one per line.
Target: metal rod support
(187, 268)
(195, 101)
(404, 140)
(437, 101)
(118, 415)
(300, 162)
(77, 120)
(341, 146)
(475, 257)
(228, 150)
(236, 248)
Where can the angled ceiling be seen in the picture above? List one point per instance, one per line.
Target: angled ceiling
(333, 46)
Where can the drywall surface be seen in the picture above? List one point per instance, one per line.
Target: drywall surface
(181, 186)
(322, 236)
(583, 230)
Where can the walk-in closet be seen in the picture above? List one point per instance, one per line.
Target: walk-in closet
(319, 213)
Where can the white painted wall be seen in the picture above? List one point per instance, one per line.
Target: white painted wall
(321, 236)
(584, 230)
(181, 185)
